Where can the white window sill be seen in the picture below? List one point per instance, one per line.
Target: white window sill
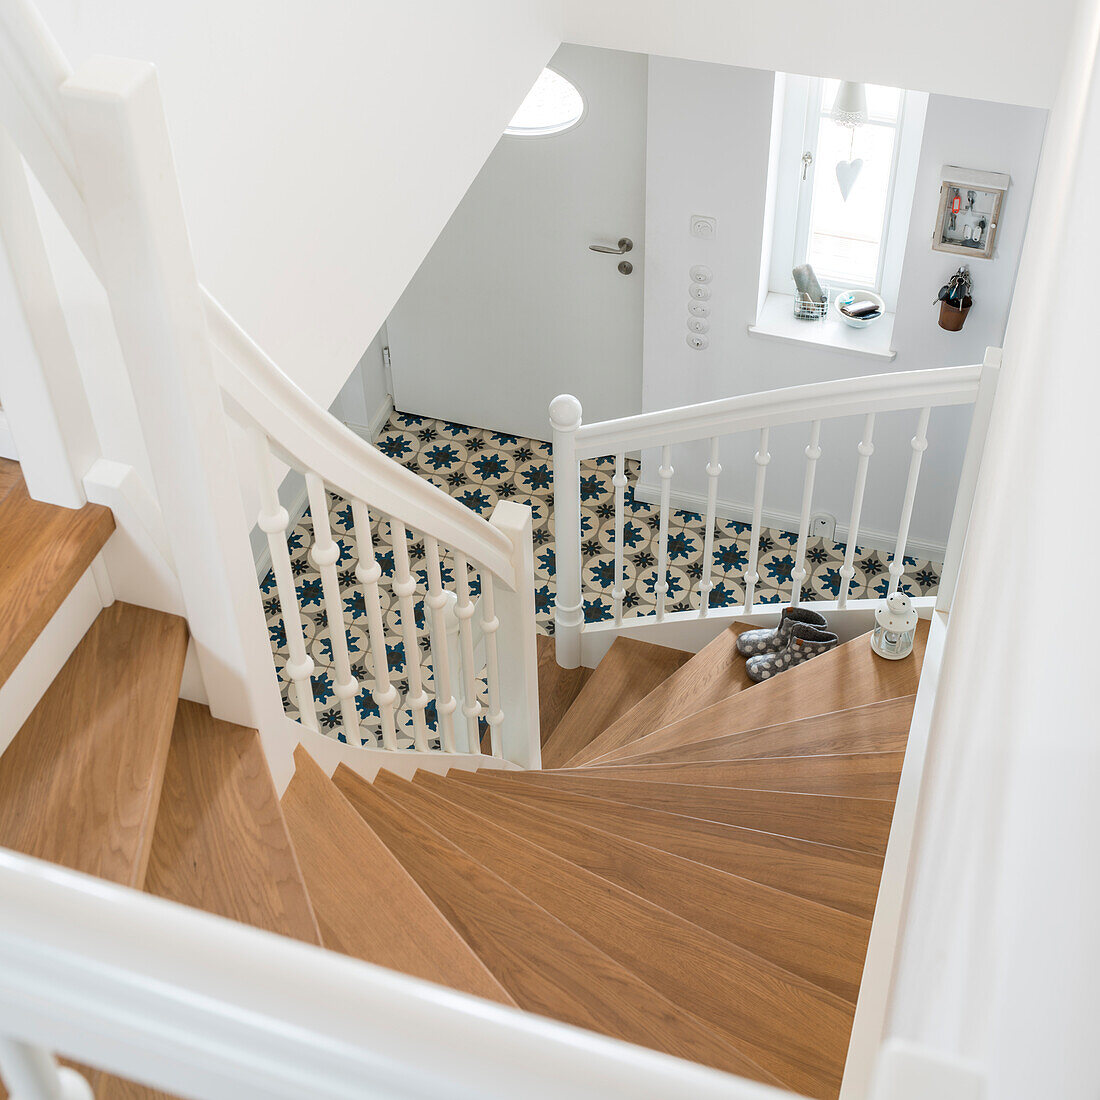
(777, 322)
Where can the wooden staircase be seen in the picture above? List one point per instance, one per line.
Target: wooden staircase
(694, 871)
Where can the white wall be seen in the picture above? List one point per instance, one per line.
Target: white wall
(510, 308)
(714, 161)
(321, 147)
(1006, 50)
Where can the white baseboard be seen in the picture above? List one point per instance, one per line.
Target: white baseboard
(786, 521)
(48, 653)
(370, 432)
(296, 509)
(7, 440)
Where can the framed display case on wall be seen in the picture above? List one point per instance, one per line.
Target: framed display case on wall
(969, 211)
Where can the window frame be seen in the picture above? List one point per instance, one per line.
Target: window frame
(528, 135)
(799, 129)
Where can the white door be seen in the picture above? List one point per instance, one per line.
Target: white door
(512, 307)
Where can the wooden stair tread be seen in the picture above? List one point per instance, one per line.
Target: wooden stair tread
(784, 1023)
(629, 671)
(716, 672)
(558, 686)
(837, 877)
(822, 945)
(81, 781)
(221, 843)
(862, 824)
(547, 968)
(874, 727)
(350, 874)
(849, 676)
(860, 775)
(45, 550)
(10, 476)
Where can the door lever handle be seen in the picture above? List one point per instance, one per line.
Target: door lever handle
(625, 245)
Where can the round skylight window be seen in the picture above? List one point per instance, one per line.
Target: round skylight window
(551, 106)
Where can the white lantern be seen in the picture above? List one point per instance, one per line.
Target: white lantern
(895, 627)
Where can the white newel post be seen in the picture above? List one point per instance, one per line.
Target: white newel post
(517, 649)
(968, 480)
(565, 419)
(119, 136)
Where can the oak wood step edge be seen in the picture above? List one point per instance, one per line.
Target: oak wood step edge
(367, 905)
(820, 944)
(882, 726)
(558, 686)
(45, 549)
(785, 1024)
(81, 782)
(221, 843)
(548, 968)
(849, 676)
(836, 877)
(716, 672)
(627, 673)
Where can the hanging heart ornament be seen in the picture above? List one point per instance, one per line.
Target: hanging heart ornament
(846, 173)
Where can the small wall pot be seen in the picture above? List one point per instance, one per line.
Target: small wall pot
(951, 318)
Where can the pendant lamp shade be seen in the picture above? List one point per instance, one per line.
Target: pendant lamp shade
(850, 108)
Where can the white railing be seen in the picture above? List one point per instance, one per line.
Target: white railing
(388, 502)
(920, 391)
(199, 1006)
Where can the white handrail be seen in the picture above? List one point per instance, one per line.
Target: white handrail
(259, 393)
(201, 1006)
(876, 393)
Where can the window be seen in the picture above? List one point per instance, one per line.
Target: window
(551, 106)
(855, 241)
(843, 237)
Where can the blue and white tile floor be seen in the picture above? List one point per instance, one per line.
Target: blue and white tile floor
(480, 467)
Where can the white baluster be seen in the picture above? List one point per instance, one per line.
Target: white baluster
(565, 418)
(404, 588)
(665, 472)
(464, 612)
(32, 1073)
(714, 470)
(274, 520)
(813, 453)
(751, 576)
(324, 554)
(445, 701)
(866, 448)
(618, 592)
(490, 625)
(368, 573)
(919, 444)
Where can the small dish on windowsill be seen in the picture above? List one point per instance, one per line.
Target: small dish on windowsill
(848, 298)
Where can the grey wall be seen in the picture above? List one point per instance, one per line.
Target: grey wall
(715, 161)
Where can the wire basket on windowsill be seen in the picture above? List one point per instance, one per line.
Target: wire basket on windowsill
(807, 310)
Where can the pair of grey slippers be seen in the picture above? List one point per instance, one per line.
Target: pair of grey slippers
(800, 635)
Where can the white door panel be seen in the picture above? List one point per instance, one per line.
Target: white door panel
(511, 308)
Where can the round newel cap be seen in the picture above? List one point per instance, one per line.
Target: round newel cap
(565, 413)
